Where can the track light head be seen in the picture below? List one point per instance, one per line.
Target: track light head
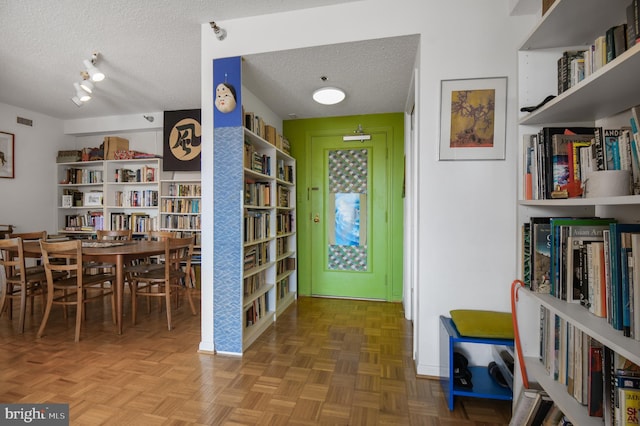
(220, 33)
(87, 85)
(76, 101)
(94, 72)
(81, 94)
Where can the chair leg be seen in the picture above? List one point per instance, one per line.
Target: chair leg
(47, 311)
(134, 296)
(193, 306)
(167, 297)
(23, 307)
(79, 312)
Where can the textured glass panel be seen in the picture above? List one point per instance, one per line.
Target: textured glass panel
(347, 209)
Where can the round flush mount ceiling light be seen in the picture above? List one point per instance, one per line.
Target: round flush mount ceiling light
(329, 95)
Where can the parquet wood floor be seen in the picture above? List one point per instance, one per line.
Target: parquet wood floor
(325, 362)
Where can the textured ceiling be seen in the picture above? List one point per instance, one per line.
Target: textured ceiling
(150, 52)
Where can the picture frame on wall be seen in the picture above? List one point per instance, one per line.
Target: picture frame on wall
(473, 119)
(7, 156)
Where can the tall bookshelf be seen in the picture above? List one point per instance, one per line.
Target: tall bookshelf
(108, 194)
(612, 90)
(255, 244)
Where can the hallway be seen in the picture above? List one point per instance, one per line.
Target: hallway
(326, 361)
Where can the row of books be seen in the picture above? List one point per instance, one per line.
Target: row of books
(282, 246)
(559, 160)
(89, 221)
(143, 174)
(137, 222)
(256, 310)
(82, 176)
(285, 265)
(185, 190)
(181, 205)
(256, 161)
(535, 407)
(257, 194)
(591, 261)
(282, 288)
(254, 283)
(285, 172)
(256, 255)
(181, 222)
(284, 223)
(594, 375)
(257, 225)
(576, 65)
(132, 198)
(283, 196)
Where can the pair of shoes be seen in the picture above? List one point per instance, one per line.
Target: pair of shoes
(496, 374)
(461, 373)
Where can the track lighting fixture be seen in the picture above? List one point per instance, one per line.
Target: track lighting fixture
(220, 33)
(89, 75)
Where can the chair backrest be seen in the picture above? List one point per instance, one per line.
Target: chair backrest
(12, 257)
(70, 250)
(26, 236)
(179, 251)
(161, 235)
(120, 234)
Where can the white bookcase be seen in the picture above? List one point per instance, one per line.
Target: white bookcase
(108, 194)
(610, 91)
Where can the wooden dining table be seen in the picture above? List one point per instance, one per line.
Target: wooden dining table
(119, 253)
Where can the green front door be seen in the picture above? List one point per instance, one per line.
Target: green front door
(348, 195)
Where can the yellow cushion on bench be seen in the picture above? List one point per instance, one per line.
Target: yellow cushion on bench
(487, 324)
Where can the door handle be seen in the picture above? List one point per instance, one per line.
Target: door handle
(316, 219)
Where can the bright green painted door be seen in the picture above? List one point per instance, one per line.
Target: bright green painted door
(348, 194)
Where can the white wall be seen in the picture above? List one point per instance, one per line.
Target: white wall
(466, 210)
(28, 201)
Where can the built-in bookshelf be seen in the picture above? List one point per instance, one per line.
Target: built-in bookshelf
(600, 98)
(108, 194)
(262, 223)
(180, 206)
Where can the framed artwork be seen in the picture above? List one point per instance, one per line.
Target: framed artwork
(7, 157)
(182, 140)
(473, 119)
(92, 199)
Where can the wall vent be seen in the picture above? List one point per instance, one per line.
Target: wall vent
(25, 121)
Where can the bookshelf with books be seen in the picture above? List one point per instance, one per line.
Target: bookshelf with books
(108, 194)
(264, 229)
(602, 100)
(180, 198)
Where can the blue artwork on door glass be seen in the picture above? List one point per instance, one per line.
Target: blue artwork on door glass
(347, 213)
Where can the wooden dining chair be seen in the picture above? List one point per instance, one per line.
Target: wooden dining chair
(76, 288)
(108, 235)
(22, 283)
(173, 279)
(115, 234)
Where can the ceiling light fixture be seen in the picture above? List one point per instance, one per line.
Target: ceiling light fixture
(220, 33)
(358, 135)
(94, 72)
(81, 94)
(329, 95)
